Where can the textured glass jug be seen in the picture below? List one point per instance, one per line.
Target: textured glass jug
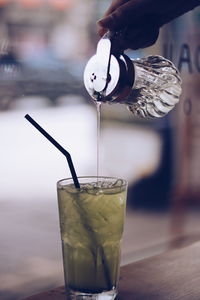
(150, 86)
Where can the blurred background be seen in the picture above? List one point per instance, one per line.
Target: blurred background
(44, 46)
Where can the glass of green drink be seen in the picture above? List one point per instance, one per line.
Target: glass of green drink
(91, 222)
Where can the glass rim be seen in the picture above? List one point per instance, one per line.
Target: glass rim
(124, 184)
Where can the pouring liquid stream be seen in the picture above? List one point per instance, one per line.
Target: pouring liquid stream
(98, 106)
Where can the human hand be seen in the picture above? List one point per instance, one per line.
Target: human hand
(141, 20)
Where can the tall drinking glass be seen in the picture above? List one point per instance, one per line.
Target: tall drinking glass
(91, 223)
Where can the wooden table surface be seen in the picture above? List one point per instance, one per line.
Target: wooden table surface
(172, 275)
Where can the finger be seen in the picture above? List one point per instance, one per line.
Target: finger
(145, 39)
(125, 14)
(128, 37)
(100, 30)
(114, 5)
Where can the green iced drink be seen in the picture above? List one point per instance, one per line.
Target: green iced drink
(91, 222)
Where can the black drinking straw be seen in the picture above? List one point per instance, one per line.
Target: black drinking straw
(59, 147)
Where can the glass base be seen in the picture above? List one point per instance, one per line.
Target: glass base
(109, 295)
